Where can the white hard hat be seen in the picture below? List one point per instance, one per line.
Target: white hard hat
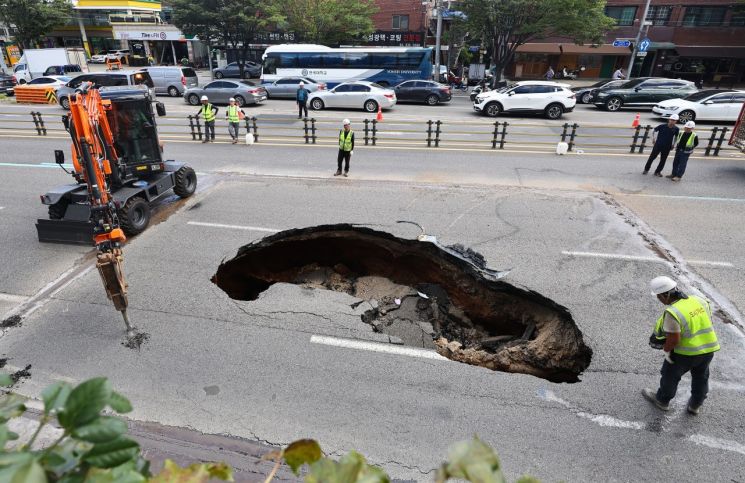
(690, 124)
(205, 98)
(662, 284)
(232, 99)
(302, 83)
(674, 117)
(346, 122)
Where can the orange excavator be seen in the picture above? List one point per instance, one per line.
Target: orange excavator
(119, 170)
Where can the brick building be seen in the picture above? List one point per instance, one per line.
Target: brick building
(689, 40)
(401, 22)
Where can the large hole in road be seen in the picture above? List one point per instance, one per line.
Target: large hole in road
(424, 293)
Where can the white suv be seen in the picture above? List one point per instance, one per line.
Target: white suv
(551, 99)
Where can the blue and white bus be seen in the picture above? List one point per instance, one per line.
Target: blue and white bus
(386, 66)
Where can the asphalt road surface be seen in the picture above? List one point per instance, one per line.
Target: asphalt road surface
(588, 231)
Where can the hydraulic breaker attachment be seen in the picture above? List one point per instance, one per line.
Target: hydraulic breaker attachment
(109, 266)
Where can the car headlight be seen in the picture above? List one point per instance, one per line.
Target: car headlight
(480, 99)
(669, 108)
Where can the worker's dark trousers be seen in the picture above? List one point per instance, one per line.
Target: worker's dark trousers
(234, 128)
(679, 163)
(302, 107)
(663, 153)
(209, 128)
(671, 374)
(344, 156)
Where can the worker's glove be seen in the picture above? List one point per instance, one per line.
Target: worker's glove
(668, 358)
(656, 343)
(351, 152)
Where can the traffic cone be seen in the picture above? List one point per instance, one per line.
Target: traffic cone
(380, 114)
(636, 121)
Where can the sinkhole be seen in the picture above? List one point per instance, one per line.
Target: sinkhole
(421, 293)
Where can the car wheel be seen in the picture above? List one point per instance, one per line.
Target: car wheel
(686, 116)
(65, 103)
(194, 100)
(613, 104)
(586, 98)
(240, 101)
(371, 106)
(218, 75)
(493, 109)
(22, 81)
(554, 111)
(433, 100)
(316, 104)
(173, 91)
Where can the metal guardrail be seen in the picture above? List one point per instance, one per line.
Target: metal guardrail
(433, 133)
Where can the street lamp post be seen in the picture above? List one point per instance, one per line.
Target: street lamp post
(638, 38)
(438, 7)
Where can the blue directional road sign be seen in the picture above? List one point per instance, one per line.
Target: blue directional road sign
(644, 45)
(621, 43)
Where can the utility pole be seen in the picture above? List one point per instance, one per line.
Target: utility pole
(438, 7)
(638, 38)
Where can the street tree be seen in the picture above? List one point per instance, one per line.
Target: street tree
(327, 22)
(33, 19)
(505, 25)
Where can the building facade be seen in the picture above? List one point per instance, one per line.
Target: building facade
(401, 23)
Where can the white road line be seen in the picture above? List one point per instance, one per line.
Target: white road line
(717, 443)
(710, 263)
(637, 258)
(2, 207)
(233, 227)
(376, 347)
(695, 198)
(16, 299)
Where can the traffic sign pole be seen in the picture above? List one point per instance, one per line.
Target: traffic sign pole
(638, 37)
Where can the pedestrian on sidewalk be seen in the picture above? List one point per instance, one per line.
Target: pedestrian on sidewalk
(685, 142)
(301, 97)
(686, 335)
(346, 148)
(549, 73)
(208, 113)
(619, 74)
(663, 137)
(234, 114)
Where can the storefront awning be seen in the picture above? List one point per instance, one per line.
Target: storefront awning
(721, 51)
(569, 48)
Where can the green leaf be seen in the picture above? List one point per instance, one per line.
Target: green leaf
(6, 435)
(65, 457)
(10, 459)
(5, 380)
(528, 479)
(473, 461)
(11, 406)
(125, 473)
(195, 473)
(101, 430)
(112, 453)
(351, 468)
(301, 452)
(119, 403)
(55, 396)
(27, 472)
(85, 403)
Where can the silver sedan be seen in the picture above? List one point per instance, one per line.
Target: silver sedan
(220, 92)
(286, 87)
(354, 95)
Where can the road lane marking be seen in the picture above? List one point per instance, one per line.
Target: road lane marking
(637, 258)
(233, 227)
(718, 443)
(605, 420)
(29, 165)
(694, 198)
(15, 299)
(377, 347)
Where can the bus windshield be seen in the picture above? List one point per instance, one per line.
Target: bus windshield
(386, 66)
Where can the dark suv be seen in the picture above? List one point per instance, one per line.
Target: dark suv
(103, 80)
(642, 92)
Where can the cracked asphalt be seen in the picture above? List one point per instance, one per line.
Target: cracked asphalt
(249, 369)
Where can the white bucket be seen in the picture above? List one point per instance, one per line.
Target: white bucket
(249, 138)
(562, 148)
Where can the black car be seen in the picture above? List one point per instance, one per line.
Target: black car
(585, 94)
(69, 69)
(251, 70)
(429, 92)
(643, 92)
(6, 84)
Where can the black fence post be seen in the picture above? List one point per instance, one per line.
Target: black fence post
(36, 123)
(712, 138)
(429, 133)
(374, 131)
(573, 136)
(637, 129)
(496, 134)
(367, 132)
(504, 133)
(255, 128)
(722, 135)
(305, 129)
(644, 138)
(564, 132)
(313, 129)
(438, 123)
(199, 127)
(191, 127)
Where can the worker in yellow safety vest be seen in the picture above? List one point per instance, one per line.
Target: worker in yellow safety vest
(346, 148)
(234, 114)
(685, 333)
(208, 113)
(685, 142)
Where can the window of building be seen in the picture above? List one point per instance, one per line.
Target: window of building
(623, 15)
(659, 14)
(400, 22)
(704, 16)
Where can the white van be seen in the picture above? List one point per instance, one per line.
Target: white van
(172, 80)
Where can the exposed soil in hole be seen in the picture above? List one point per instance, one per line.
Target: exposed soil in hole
(12, 321)
(136, 339)
(24, 373)
(426, 294)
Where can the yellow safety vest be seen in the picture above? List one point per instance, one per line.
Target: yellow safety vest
(689, 143)
(345, 142)
(233, 114)
(697, 334)
(207, 113)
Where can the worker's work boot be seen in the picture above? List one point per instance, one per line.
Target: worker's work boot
(338, 172)
(669, 176)
(645, 171)
(693, 409)
(675, 178)
(346, 174)
(651, 396)
(659, 175)
(235, 141)
(205, 141)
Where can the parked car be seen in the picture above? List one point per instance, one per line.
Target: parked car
(55, 81)
(104, 80)
(708, 105)
(641, 92)
(219, 92)
(586, 93)
(286, 87)
(354, 95)
(101, 57)
(172, 80)
(551, 99)
(68, 69)
(252, 70)
(429, 92)
(7, 82)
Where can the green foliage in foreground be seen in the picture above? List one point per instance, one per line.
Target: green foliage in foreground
(91, 446)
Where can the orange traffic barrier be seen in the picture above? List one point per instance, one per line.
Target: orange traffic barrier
(115, 64)
(35, 95)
